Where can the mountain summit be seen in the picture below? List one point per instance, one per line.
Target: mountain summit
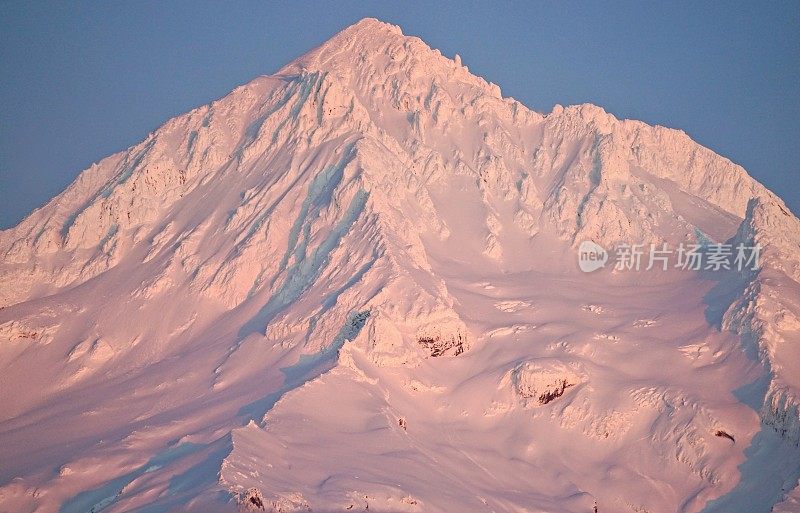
(354, 285)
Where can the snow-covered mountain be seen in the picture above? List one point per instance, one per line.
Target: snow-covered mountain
(354, 285)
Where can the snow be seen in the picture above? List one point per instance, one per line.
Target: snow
(354, 284)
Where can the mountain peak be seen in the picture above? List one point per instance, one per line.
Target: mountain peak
(371, 26)
(367, 32)
(362, 37)
(372, 52)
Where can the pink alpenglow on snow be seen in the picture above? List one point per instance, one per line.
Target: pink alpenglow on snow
(355, 284)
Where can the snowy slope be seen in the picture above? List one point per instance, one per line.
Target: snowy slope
(354, 284)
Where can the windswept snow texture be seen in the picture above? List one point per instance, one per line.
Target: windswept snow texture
(353, 285)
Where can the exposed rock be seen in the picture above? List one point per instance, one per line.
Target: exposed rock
(543, 381)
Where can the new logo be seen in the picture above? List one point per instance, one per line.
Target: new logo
(591, 256)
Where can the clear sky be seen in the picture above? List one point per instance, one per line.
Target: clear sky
(81, 80)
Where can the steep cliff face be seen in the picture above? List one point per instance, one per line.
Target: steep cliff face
(368, 261)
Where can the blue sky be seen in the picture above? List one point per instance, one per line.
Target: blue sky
(81, 80)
